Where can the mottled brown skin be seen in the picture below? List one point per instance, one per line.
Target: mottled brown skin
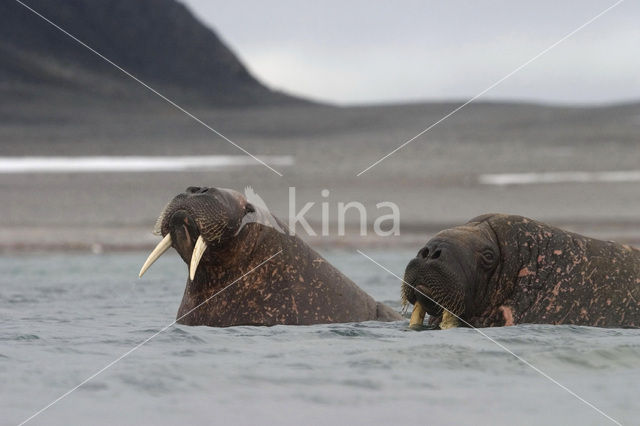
(296, 287)
(501, 270)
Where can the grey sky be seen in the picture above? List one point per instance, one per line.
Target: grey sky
(356, 51)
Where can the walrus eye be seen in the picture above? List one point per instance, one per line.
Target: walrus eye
(249, 209)
(488, 257)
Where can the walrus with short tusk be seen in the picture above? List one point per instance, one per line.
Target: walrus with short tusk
(501, 270)
(222, 238)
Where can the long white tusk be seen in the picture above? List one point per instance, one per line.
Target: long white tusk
(198, 251)
(163, 246)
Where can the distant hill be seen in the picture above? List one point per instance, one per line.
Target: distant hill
(158, 41)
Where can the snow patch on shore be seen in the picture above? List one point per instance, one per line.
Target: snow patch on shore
(501, 179)
(111, 164)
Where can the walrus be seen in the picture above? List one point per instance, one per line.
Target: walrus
(499, 270)
(246, 270)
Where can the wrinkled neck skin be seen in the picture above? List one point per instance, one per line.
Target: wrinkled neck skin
(519, 243)
(483, 288)
(550, 276)
(220, 267)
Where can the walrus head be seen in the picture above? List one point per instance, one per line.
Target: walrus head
(449, 272)
(199, 223)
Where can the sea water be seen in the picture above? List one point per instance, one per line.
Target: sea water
(66, 317)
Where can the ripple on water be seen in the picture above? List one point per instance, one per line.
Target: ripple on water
(300, 366)
(362, 384)
(16, 299)
(370, 364)
(173, 334)
(369, 329)
(20, 338)
(185, 353)
(153, 384)
(613, 357)
(347, 332)
(95, 386)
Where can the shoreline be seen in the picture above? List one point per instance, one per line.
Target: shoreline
(113, 239)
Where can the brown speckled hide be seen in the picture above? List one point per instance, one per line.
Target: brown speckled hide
(547, 275)
(503, 270)
(297, 286)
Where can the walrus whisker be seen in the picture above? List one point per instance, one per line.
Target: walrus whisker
(198, 251)
(162, 247)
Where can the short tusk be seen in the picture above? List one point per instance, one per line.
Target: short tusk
(163, 246)
(449, 321)
(198, 251)
(417, 316)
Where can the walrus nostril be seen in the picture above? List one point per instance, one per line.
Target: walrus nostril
(436, 254)
(424, 253)
(197, 190)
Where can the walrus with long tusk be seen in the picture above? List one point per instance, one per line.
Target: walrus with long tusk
(226, 241)
(501, 270)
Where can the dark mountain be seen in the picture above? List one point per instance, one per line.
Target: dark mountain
(158, 41)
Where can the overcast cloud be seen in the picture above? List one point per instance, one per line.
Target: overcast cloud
(356, 51)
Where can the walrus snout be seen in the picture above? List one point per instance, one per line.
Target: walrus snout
(433, 282)
(435, 286)
(216, 212)
(184, 233)
(195, 220)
